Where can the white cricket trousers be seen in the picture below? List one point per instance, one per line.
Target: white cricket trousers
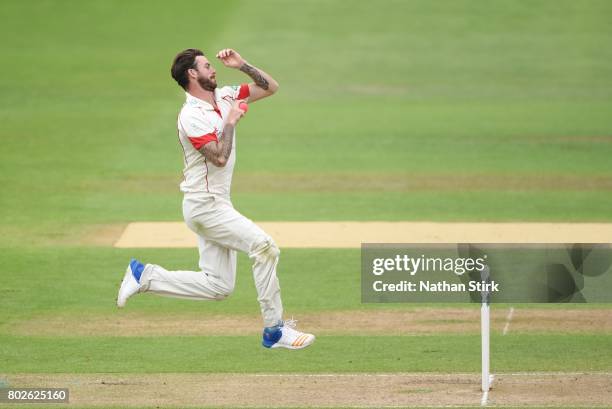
(222, 231)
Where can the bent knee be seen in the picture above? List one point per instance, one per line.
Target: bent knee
(264, 250)
(223, 292)
(222, 288)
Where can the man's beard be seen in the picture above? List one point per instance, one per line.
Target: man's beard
(207, 84)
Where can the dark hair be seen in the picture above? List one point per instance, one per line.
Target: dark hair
(182, 62)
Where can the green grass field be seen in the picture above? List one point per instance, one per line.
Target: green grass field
(395, 110)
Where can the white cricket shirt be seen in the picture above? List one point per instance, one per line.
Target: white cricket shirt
(198, 124)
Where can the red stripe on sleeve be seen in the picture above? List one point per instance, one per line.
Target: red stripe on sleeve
(244, 92)
(200, 141)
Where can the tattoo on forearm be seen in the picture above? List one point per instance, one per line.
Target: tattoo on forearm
(210, 151)
(223, 148)
(254, 73)
(227, 139)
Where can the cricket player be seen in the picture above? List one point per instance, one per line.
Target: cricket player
(207, 133)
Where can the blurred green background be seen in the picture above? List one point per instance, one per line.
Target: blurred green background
(449, 110)
(399, 110)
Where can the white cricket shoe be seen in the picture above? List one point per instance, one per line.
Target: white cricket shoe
(286, 336)
(131, 282)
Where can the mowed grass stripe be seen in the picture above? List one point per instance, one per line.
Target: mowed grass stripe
(58, 281)
(421, 320)
(340, 182)
(336, 354)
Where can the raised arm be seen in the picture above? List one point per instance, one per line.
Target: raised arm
(218, 152)
(263, 84)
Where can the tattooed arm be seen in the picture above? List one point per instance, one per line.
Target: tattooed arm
(263, 84)
(218, 152)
